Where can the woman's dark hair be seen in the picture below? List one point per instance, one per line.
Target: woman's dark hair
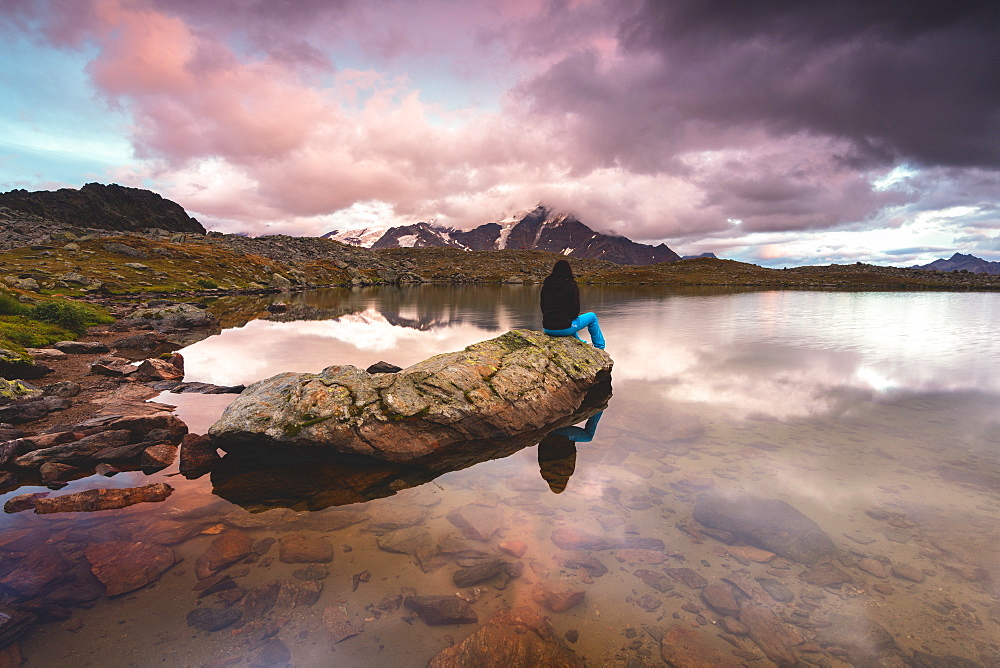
(562, 270)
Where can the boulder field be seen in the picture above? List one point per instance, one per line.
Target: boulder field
(522, 381)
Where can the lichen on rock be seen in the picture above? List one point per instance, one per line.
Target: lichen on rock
(519, 382)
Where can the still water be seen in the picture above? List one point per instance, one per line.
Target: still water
(876, 415)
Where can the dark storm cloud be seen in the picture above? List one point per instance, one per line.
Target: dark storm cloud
(900, 80)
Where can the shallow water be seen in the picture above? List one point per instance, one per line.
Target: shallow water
(874, 414)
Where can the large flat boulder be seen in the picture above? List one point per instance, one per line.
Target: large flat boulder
(520, 382)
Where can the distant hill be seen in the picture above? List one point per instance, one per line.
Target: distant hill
(961, 262)
(538, 229)
(695, 257)
(108, 207)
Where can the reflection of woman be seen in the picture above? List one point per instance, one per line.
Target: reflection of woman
(561, 306)
(557, 453)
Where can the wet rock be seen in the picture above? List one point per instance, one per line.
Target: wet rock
(305, 549)
(437, 610)
(684, 647)
(259, 600)
(337, 622)
(557, 598)
(158, 457)
(151, 342)
(198, 455)
(635, 557)
(657, 581)
(968, 572)
(157, 369)
(20, 412)
(515, 548)
(13, 624)
(212, 619)
(389, 517)
(509, 638)
(41, 568)
(406, 541)
(196, 388)
(114, 367)
(865, 641)
(312, 572)
(167, 532)
(770, 524)
(874, 567)
(746, 553)
(514, 384)
(687, 576)
(771, 634)
(93, 500)
(907, 572)
(481, 572)
(228, 547)
(720, 598)
(477, 521)
(81, 347)
(582, 560)
(775, 589)
(928, 660)
(75, 452)
(8, 480)
(859, 537)
(22, 502)
(126, 566)
(825, 575)
(294, 594)
(273, 653)
(571, 538)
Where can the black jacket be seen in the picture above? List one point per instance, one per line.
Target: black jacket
(560, 302)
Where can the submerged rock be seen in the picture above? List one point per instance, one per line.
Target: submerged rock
(125, 566)
(103, 499)
(510, 638)
(770, 524)
(520, 382)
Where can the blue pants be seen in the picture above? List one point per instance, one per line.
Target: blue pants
(588, 320)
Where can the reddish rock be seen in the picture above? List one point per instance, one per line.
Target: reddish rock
(745, 553)
(198, 455)
(260, 600)
(636, 557)
(557, 598)
(515, 548)
(8, 480)
(93, 500)
(572, 538)
(228, 548)
(825, 575)
(305, 549)
(53, 471)
(907, 572)
(720, 598)
(21, 502)
(477, 521)
(337, 622)
(294, 594)
(167, 532)
(106, 470)
(657, 581)
(966, 571)
(75, 452)
(687, 576)
(158, 457)
(125, 566)
(437, 610)
(874, 566)
(685, 647)
(510, 638)
(157, 369)
(40, 568)
(771, 634)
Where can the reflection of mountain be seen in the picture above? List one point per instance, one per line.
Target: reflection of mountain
(267, 482)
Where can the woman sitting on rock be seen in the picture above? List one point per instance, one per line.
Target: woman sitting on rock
(561, 307)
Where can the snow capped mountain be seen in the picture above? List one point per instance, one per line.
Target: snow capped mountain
(537, 229)
(364, 236)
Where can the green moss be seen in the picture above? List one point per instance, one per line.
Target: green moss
(294, 429)
(20, 332)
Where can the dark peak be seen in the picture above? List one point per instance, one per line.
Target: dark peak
(962, 256)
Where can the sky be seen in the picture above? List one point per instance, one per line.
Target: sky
(778, 132)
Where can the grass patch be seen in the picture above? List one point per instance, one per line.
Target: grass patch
(18, 332)
(72, 316)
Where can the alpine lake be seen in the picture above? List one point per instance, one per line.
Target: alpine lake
(874, 414)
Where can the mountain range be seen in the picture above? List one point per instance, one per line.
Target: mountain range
(538, 229)
(961, 262)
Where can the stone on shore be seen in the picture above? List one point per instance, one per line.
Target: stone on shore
(177, 316)
(770, 524)
(520, 382)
